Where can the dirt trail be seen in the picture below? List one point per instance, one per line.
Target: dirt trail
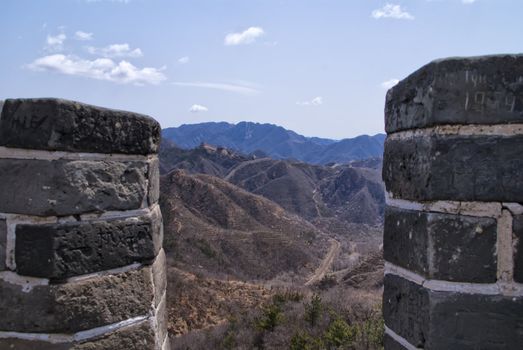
(326, 263)
(241, 166)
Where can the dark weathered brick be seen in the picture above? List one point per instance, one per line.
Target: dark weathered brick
(56, 124)
(154, 181)
(62, 187)
(476, 90)
(451, 167)
(76, 306)
(405, 309)
(462, 248)
(58, 251)
(20, 344)
(3, 241)
(518, 249)
(467, 321)
(391, 344)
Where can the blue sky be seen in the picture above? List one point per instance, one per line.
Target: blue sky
(319, 67)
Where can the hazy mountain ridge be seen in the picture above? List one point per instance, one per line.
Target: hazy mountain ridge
(276, 141)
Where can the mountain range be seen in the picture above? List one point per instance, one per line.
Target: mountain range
(275, 142)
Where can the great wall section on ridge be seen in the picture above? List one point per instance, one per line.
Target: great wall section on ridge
(81, 259)
(453, 167)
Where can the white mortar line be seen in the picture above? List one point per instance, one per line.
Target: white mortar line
(20, 153)
(99, 331)
(77, 337)
(477, 209)
(504, 248)
(165, 343)
(400, 339)
(504, 130)
(515, 208)
(499, 288)
(127, 268)
(27, 283)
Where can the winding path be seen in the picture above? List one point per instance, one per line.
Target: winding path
(326, 262)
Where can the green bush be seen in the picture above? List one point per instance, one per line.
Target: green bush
(271, 317)
(339, 334)
(304, 341)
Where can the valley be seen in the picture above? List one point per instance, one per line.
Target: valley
(245, 233)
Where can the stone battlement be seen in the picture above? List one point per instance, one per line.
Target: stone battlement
(80, 228)
(453, 169)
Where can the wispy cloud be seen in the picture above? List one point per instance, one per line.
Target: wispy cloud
(100, 69)
(183, 60)
(115, 50)
(389, 83)
(391, 11)
(468, 1)
(237, 88)
(198, 108)
(83, 36)
(55, 43)
(248, 36)
(314, 102)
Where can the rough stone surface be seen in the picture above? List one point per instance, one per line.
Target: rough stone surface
(462, 248)
(154, 181)
(76, 306)
(405, 309)
(477, 90)
(391, 344)
(464, 321)
(451, 167)
(58, 251)
(518, 248)
(159, 277)
(161, 320)
(19, 344)
(138, 337)
(56, 124)
(3, 241)
(61, 187)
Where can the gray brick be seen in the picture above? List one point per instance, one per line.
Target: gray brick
(450, 167)
(154, 181)
(56, 124)
(58, 251)
(405, 309)
(462, 248)
(62, 187)
(3, 242)
(518, 249)
(391, 344)
(476, 90)
(76, 306)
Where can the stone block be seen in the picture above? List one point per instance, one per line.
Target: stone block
(62, 187)
(61, 125)
(58, 251)
(518, 248)
(461, 248)
(3, 242)
(154, 181)
(453, 167)
(76, 306)
(468, 321)
(475, 90)
(136, 337)
(391, 344)
(21, 344)
(405, 309)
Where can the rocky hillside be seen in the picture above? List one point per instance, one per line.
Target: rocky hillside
(276, 142)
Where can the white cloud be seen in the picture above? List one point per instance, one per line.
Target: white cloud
(83, 36)
(314, 102)
(243, 89)
(183, 60)
(468, 1)
(55, 42)
(100, 69)
(248, 36)
(198, 108)
(115, 50)
(389, 83)
(391, 11)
